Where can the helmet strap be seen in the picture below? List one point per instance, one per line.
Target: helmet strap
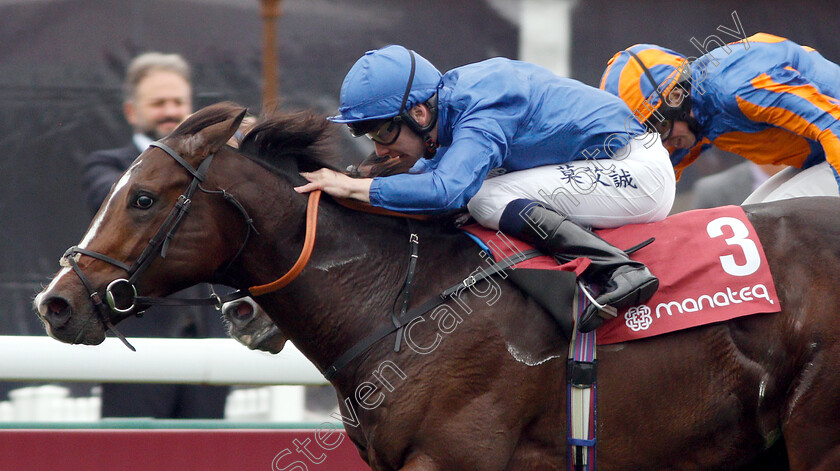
(408, 84)
(671, 113)
(405, 116)
(431, 146)
(424, 131)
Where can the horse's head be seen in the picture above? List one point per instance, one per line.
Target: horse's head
(157, 232)
(251, 326)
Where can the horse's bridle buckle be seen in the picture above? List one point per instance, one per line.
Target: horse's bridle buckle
(113, 298)
(469, 281)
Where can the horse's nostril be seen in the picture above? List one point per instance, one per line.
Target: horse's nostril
(58, 311)
(239, 312)
(244, 310)
(57, 306)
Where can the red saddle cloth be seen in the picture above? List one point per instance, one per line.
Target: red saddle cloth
(710, 264)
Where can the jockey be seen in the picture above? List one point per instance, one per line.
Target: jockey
(765, 98)
(561, 154)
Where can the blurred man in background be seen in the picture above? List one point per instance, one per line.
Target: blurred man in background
(158, 96)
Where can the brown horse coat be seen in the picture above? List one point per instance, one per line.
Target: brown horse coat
(480, 384)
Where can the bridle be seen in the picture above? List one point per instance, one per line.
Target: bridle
(121, 294)
(119, 289)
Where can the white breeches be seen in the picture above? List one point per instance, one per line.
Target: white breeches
(636, 186)
(793, 183)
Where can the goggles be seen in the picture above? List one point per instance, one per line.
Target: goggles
(664, 128)
(384, 132)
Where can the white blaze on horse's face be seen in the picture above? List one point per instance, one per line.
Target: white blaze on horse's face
(100, 216)
(88, 237)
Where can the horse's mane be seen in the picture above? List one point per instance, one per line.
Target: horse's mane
(286, 142)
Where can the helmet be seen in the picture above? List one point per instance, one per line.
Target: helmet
(385, 83)
(643, 76)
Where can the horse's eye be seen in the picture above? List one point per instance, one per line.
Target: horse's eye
(144, 202)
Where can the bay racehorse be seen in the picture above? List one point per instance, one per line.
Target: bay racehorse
(478, 384)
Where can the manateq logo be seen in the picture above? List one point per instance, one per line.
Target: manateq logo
(640, 317)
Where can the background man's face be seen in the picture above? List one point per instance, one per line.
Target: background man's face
(163, 99)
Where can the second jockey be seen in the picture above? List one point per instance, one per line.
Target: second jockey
(765, 98)
(563, 156)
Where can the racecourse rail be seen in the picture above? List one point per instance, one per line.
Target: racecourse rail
(172, 444)
(197, 361)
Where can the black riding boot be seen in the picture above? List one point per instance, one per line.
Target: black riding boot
(624, 282)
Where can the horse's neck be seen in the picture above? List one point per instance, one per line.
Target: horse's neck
(356, 273)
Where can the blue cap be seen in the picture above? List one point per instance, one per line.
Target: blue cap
(375, 86)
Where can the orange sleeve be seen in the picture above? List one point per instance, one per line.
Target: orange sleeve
(798, 107)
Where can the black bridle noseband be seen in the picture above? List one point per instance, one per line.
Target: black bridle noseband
(121, 294)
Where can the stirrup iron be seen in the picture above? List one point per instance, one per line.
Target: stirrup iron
(608, 310)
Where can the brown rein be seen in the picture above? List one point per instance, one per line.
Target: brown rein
(305, 254)
(309, 238)
(366, 208)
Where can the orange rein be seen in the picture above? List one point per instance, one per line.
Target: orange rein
(303, 259)
(309, 238)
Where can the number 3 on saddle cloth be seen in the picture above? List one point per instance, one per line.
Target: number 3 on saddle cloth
(710, 264)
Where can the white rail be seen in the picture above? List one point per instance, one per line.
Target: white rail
(51, 403)
(48, 403)
(198, 361)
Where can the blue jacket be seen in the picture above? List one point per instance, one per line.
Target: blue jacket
(511, 115)
(771, 102)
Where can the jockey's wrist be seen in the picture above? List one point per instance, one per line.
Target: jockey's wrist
(360, 189)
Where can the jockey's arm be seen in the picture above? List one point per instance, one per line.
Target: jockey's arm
(789, 102)
(336, 184)
(450, 182)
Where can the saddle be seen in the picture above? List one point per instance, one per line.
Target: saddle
(538, 275)
(710, 264)
(553, 290)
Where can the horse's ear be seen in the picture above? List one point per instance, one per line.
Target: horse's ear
(213, 137)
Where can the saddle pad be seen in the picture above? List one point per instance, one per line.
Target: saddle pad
(710, 264)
